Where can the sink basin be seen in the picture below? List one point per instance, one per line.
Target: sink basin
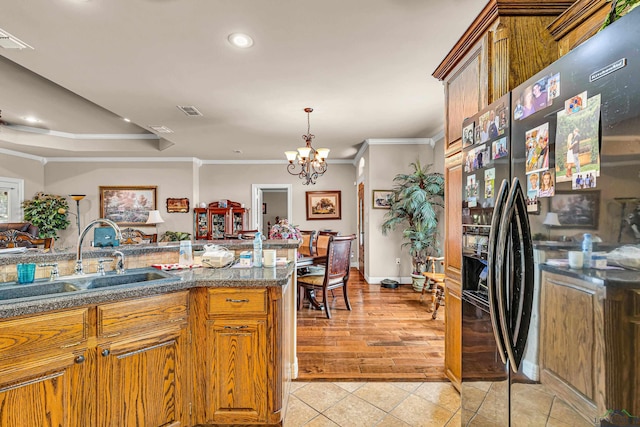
(44, 288)
(36, 290)
(128, 278)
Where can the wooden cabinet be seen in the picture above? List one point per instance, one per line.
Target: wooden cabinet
(237, 344)
(579, 22)
(219, 219)
(587, 350)
(142, 361)
(45, 370)
(453, 332)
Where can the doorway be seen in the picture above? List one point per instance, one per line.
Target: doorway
(270, 198)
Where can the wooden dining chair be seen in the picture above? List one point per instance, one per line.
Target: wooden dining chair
(322, 241)
(434, 283)
(308, 238)
(336, 274)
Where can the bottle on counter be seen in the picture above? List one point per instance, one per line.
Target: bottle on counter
(587, 250)
(257, 250)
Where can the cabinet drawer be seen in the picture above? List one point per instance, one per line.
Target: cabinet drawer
(59, 329)
(236, 301)
(119, 317)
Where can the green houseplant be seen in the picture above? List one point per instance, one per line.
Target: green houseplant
(48, 212)
(416, 200)
(175, 236)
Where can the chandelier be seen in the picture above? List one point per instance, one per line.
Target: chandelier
(312, 162)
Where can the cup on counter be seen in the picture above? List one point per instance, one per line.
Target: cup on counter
(186, 253)
(26, 273)
(269, 257)
(575, 259)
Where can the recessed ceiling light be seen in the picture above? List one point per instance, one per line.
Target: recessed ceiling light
(240, 40)
(31, 119)
(126, 120)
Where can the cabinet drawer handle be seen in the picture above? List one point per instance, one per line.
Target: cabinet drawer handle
(105, 352)
(237, 300)
(71, 345)
(112, 335)
(236, 327)
(79, 359)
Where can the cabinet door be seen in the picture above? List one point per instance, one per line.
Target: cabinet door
(46, 390)
(218, 223)
(453, 219)
(237, 386)
(453, 334)
(201, 224)
(140, 381)
(237, 220)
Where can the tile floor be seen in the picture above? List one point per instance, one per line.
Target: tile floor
(368, 404)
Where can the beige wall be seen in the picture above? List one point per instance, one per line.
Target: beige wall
(222, 181)
(32, 171)
(383, 163)
(173, 179)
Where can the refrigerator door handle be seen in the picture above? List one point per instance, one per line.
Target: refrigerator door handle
(515, 233)
(496, 263)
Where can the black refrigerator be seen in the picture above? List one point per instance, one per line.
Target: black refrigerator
(563, 161)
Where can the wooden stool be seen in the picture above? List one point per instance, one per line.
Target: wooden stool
(435, 285)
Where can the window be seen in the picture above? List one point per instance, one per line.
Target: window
(11, 196)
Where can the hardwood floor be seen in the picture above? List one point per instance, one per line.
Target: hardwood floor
(388, 336)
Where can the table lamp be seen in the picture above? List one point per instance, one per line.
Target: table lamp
(551, 220)
(154, 219)
(77, 198)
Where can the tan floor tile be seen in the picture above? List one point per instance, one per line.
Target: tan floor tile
(480, 421)
(472, 398)
(564, 415)
(354, 412)
(443, 394)
(349, 386)
(391, 421)
(298, 413)
(408, 386)
(295, 385)
(455, 421)
(321, 421)
(418, 412)
(320, 395)
(480, 385)
(385, 396)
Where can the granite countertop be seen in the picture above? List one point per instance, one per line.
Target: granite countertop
(200, 277)
(614, 278)
(39, 255)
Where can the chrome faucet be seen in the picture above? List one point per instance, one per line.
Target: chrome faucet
(78, 269)
(119, 262)
(55, 273)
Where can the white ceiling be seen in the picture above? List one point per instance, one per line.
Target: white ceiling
(363, 65)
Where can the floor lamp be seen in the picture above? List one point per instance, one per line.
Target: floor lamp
(77, 198)
(551, 220)
(154, 219)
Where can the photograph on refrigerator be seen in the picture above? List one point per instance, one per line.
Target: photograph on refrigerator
(467, 135)
(547, 186)
(533, 98)
(578, 142)
(489, 185)
(499, 148)
(537, 141)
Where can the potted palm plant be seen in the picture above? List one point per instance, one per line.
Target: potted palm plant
(417, 199)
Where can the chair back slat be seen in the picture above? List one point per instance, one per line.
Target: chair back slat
(338, 257)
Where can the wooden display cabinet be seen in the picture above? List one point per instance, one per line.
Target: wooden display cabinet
(201, 224)
(229, 219)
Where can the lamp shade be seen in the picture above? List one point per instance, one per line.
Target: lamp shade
(154, 218)
(551, 219)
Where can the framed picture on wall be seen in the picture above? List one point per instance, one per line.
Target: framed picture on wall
(127, 205)
(178, 205)
(323, 205)
(380, 199)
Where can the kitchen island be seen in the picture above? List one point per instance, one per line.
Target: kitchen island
(207, 347)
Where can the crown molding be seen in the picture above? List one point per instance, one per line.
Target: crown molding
(40, 159)
(123, 159)
(68, 135)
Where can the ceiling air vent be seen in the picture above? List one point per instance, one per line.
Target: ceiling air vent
(8, 41)
(160, 129)
(190, 110)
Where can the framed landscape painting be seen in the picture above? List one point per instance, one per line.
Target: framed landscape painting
(323, 205)
(380, 199)
(127, 205)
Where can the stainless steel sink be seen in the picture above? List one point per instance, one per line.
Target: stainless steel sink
(36, 290)
(128, 278)
(44, 288)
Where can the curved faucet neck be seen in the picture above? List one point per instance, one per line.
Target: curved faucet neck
(116, 228)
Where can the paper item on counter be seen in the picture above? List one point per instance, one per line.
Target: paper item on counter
(558, 262)
(13, 250)
(169, 267)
